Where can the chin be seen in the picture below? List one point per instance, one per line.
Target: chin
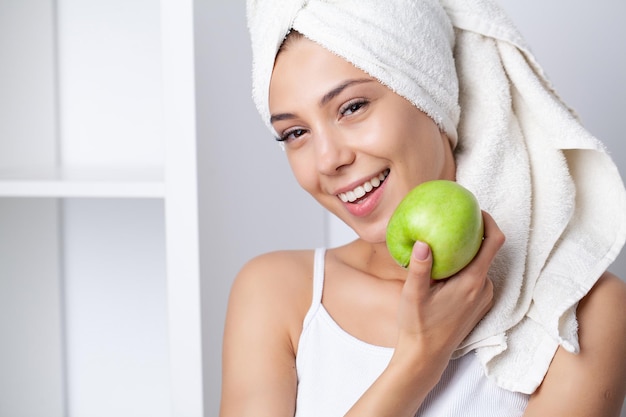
(372, 235)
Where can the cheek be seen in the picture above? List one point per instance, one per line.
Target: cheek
(303, 171)
(422, 146)
(374, 133)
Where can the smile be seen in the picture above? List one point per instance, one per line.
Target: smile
(363, 189)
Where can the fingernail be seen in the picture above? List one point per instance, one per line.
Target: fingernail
(420, 251)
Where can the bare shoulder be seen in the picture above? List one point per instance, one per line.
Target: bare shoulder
(268, 301)
(276, 274)
(592, 382)
(607, 297)
(602, 318)
(602, 322)
(280, 261)
(274, 289)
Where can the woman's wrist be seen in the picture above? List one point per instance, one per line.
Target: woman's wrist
(418, 365)
(401, 388)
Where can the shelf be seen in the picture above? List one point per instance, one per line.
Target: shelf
(83, 182)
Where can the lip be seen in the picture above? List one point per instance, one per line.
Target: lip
(357, 183)
(366, 205)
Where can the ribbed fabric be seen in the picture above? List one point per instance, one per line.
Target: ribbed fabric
(335, 369)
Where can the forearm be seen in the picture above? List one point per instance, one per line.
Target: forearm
(399, 390)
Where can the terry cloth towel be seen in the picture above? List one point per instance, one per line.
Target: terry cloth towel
(550, 185)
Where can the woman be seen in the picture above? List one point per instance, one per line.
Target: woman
(363, 119)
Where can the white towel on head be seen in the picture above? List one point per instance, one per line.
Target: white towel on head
(411, 74)
(549, 184)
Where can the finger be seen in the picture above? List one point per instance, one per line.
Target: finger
(492, 232)
(418, 278)
(492, 242)
(473, 278)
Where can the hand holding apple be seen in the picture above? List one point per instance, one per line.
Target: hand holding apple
(443, 214)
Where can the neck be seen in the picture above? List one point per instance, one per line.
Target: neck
(372, 258)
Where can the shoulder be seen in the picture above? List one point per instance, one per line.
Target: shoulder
(267, 304)
(607, 297)
(276, 273)
(273, 290)
(592, 382)
(602, 318)
(279, 261)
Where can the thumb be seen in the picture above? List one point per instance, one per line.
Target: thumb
(418, 278)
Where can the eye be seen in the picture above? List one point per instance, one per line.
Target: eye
(352, 107)
(291, 134)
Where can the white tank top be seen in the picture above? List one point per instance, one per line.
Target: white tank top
(335, 368)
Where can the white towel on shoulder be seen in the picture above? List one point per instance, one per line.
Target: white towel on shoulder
(549, 184)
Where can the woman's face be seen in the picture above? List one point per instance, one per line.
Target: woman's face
(353, 144)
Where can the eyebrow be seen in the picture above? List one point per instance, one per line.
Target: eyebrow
(325, 99)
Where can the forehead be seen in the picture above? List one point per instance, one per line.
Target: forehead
(305, 65)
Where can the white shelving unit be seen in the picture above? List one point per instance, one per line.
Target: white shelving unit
(100, 298)
(60, 182)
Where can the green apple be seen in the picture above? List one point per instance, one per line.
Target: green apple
(443, 214)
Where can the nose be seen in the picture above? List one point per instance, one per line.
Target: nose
(333, 151)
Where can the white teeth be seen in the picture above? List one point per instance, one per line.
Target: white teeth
(363, 189)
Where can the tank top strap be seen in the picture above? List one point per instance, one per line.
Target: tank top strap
(318, 275)
(318, 284)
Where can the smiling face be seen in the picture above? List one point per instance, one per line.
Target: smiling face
(353, 144)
